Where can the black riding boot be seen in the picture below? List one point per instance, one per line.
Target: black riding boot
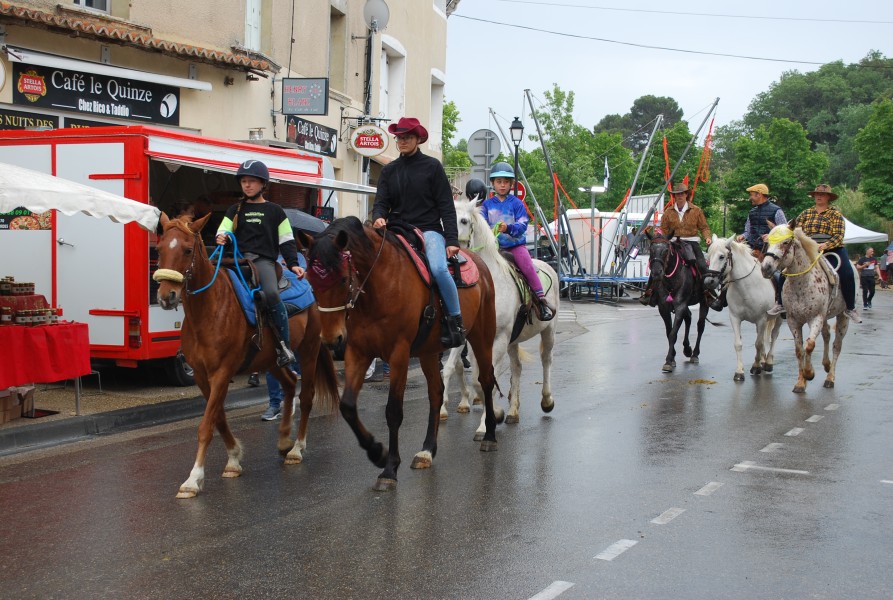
(546, 311)
(452, 334)
(720, 302)
(279, 317)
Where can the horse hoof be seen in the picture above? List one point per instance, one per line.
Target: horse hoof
(464, 410)
(186, 494)
(755, 370)
(799, 390)
(738, 377)
(422, 460)
(231, 472)
(444, 416)
(293, 458)
(829, 384)
(695, 360)
(668, 368)
(383, 484)
(511, 419)
(686, 352)
(478, 436)
(488, 446)
(477, 402)
(767, 368)
(547, 406)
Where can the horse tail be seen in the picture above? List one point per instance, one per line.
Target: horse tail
(524, 355)
(326, 388)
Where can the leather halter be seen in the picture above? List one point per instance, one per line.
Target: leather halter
(352, 296)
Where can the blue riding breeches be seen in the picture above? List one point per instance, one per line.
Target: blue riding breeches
(435, 250)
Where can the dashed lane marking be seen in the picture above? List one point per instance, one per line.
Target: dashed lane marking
(709, 488)
(772, 447)
(815, 418)
(667, 516)
(749, 465)
(832, 407)
(616, 549)
(555, 589)
(886, 481)
(795, 431)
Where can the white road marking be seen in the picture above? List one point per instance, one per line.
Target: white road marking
(616, 549)
(749, 465)
(772, 447)
(709, 488)
(815, 418)
(886, 481)
(794, 431)
(832, 407)
(667, 516)
(555, 589)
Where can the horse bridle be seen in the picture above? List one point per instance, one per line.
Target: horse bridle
(663, 262)
(352, 296)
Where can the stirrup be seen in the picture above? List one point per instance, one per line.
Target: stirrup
(284, 355)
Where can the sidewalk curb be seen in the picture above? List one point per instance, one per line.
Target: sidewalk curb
(33, 437)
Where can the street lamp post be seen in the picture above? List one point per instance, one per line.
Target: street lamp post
(516, 129)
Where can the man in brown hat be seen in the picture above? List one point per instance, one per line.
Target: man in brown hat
(414, 190)
(685, 221)
(825, 224)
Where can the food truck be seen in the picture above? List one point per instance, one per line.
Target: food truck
(100, 272)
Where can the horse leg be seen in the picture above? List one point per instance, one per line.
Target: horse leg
(215, 392)
(840, 329)
(430, 368)
(514, 352)
(759, 346)
(686, 344)
(702, 321)
(449, 368)
(354, 372)
(387, 479)
(816, 325)
(802, 358)
(773, 325)
(736, 335)
(826, 343)
(672, 329)
(547, 343)
(483, 351)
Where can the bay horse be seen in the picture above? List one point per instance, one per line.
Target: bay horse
(476, 235)
(810, 297)
(734, 268)
(677, 286)
(217, 343)
(373, 299)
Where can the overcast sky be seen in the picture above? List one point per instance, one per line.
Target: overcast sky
(489, 65)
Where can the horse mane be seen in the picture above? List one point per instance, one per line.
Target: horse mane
(327, 252)
(742, 250)
(483, 238)
(809, 245)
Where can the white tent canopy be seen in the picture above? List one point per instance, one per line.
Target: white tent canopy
(859, 235)
(39, 192)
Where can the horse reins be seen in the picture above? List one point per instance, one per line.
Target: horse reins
(351, 296)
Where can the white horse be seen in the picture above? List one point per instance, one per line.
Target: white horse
(475, 234)
(749, 295)
(810, 297)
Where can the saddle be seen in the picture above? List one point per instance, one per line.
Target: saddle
(528, 299)
(464, 271)
(295, 293)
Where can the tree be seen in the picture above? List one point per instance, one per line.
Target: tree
(874, 145)
(453, 156)
(634, 126)
(779, 155)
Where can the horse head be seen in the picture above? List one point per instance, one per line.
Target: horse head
(179, 246)
(474, 231)
(784, 242)
(332, 271)
(659, 253)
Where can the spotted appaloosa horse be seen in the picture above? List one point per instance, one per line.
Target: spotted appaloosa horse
(810, 297)
(749, 295)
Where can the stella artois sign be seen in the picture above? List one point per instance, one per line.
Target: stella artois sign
(369, 140)
(32, 85)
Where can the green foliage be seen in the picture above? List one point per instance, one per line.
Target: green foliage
(453, 157)
(779, 155)
(874, 144)
(634, 126)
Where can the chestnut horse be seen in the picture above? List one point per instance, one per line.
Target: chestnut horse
(373, 299)
(217, 343)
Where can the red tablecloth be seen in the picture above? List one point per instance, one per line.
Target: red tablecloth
(29, 302)
(43, 354)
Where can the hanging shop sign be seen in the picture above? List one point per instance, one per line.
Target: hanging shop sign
(312, 136)
(369, 140)
(13, 119)
(305, 96)
(93, 94)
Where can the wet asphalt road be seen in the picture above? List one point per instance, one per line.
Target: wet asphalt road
(638, 485)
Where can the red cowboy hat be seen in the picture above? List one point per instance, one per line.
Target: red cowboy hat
(409, 126)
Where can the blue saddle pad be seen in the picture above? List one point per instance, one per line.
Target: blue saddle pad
(298, 294)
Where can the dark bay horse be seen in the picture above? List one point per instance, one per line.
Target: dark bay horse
(372, 298)
(677, 286)
(217, 343)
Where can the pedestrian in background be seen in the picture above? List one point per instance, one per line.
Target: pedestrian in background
(868, 271)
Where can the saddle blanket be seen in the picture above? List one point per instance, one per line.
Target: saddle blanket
(297, 294)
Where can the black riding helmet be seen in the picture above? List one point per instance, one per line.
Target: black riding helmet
(253, 168)
(476, 189)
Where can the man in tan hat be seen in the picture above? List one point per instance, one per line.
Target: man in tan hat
(685, 221)
(414, 189)
(825, 224)
(763, 216)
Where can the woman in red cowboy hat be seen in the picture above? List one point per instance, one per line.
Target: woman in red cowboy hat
(414, 189)
(824, 223)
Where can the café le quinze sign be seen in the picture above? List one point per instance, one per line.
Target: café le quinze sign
(94, 94)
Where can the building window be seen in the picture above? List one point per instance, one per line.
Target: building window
(102, 5)
(435, 127)
(392, 74)
(338, 39)
(252, 24)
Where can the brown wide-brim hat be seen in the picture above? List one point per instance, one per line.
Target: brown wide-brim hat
(409, 126)
(823, 189)
(679, 188)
